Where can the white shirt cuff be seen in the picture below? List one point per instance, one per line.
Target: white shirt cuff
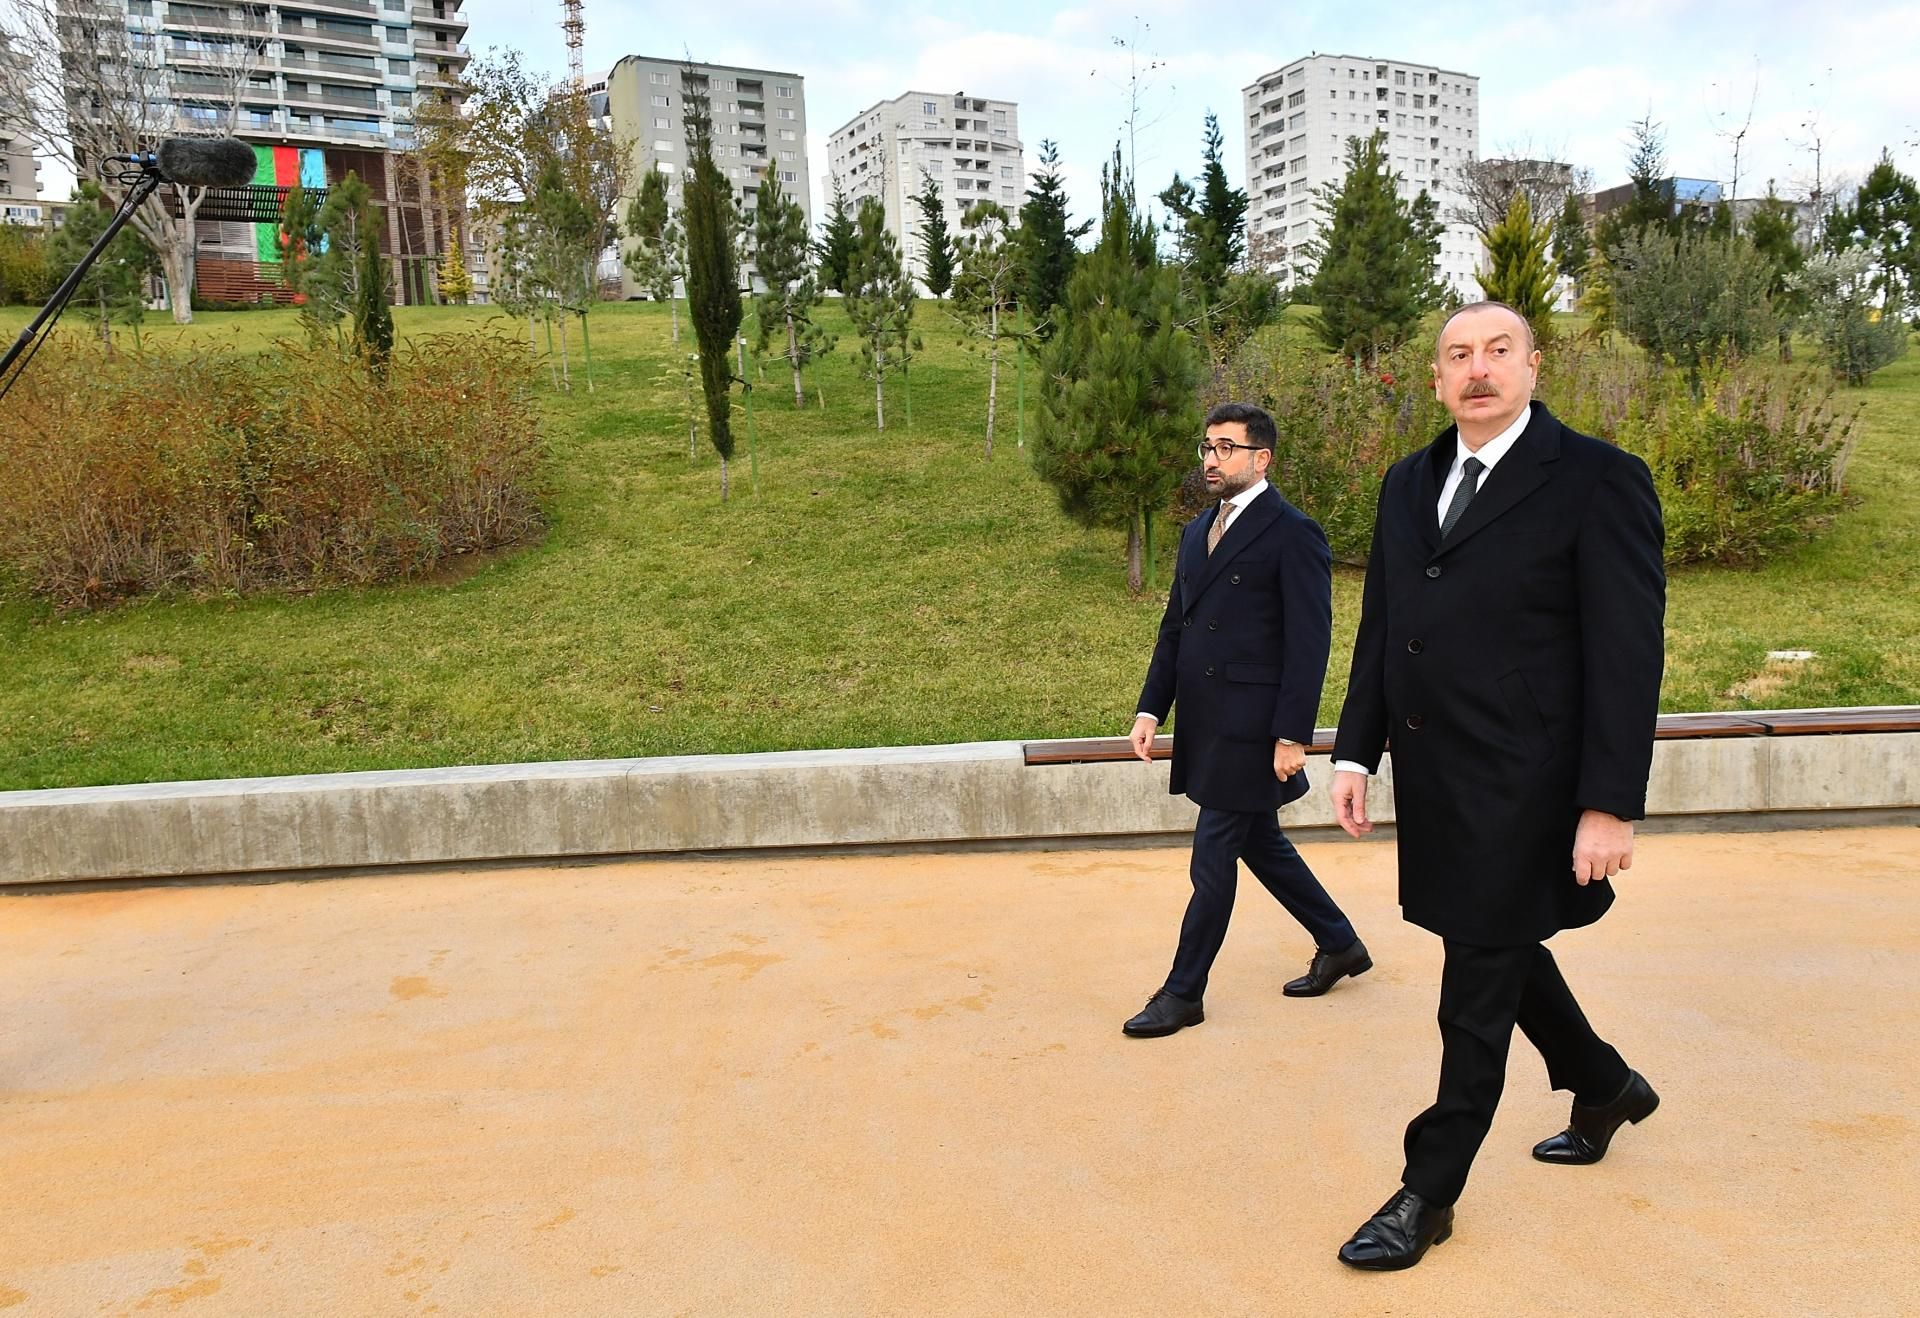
(1348, 766)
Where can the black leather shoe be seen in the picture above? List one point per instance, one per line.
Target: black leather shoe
(1326, 968)
(1163, 1014)
(1396, 1236)
(1591, 1129)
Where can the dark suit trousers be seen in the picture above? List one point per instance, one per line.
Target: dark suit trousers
(1484, 993)
(1221, 840)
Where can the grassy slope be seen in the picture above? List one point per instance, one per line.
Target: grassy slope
(887, 589)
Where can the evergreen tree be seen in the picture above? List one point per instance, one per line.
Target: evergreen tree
(372, 318)
(1373, 267)
(564, 246)
(1047, 238)
(1691, 298)
(1119, 416)
(1771, 231)
(115, 287)
(1855, 338)
(1518, 272)
(657, 258)
(983, 292)
(1571, 246)
(456, 285)
(1652, 206)
(298, 238)
(713, 277)
(836, 243)
(936, 261)
(1211, 221)
(330, 279)
(780, 240)
(879, 302)
(1884, 221)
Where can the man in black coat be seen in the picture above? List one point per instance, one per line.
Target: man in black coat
(1242, 650)
(1510, 647)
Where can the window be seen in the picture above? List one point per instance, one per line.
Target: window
(662, 121)
(1299, 98)
(1399, 77)
(661, 102)
(784, 89)
(1006, 171)
(789, 176)
(1400, 99)
(787, 156)
(786, 135)
(784, 113)
(401, 100)
(934, 167)
(664, 166)
(1333, 93)
(929, 109)
(657, 78)
(141, 8)
(662, 144)
(1007, 193)
(400, 67)
(1419, 101)
(397, 35)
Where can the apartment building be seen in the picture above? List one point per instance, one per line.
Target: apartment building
(1298, 119)
(759, 125)
(19, 174)
(324, 87)
(969, 145)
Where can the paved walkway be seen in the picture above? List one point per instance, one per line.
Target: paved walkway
(897, 1086)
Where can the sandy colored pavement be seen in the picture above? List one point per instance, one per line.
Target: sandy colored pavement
(897, 1085)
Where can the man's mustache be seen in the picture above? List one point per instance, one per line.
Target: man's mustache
(1479, 389)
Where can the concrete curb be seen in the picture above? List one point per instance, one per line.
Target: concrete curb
(981, 792)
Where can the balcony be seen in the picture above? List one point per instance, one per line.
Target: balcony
(319, 65)
(336, 36)
(441, 49)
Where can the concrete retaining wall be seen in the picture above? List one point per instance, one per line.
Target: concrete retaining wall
(979, 792)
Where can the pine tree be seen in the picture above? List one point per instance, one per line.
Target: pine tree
(1652, 205)
(936, 260)
(713, 276)
(116, 285)
(1118, 415)
(780, 242)
(1771, 231)
(456, 285)
(983, 292)
(1884, 221)
(1518, 272)
(1373, 267)
(298, 238)
(879, 298)
(836, 243)
(1047, 238)
(657, 258)
(331, 279)
(1571, 246)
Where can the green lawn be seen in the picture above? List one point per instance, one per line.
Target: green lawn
(878, 589)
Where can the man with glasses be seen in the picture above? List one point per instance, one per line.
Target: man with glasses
(1242, 652)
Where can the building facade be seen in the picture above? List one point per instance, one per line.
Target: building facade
(969, 145)
(1297, 121)
(759, 126)
(323, 87)
(20, 201)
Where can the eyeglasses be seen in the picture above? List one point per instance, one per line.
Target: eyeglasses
(1223, 449)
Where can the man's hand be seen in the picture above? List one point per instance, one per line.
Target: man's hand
(1350, 802)
(1142, 736)
(1288, 760)
(1602, 845)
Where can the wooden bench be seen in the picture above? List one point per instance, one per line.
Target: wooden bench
(1669, 727)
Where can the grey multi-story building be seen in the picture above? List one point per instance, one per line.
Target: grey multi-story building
(323, 87)
(19, 174)
(759, 126)
(969, 145)
(1298, 119)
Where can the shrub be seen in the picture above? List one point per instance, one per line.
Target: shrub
(1747, 469)
(221, 473)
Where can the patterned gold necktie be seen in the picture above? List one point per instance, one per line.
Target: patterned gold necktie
(1219, 527)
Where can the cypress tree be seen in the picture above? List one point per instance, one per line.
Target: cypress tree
(1047, 240)
(936, 263)
(1518, 272)
(713, 275)
(372, 318)
(836, 243)
(1118, 413)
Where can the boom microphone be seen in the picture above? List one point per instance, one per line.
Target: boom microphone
(206, 162)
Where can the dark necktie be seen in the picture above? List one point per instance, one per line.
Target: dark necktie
(1462, 494)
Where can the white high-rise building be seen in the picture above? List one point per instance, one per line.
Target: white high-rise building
(1298, 120)
(969, 145)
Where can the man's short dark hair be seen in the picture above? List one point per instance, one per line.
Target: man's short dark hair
(1258, 421)
(1483, 305)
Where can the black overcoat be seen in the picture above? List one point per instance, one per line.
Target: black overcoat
(1515, 670)
(1242, 652)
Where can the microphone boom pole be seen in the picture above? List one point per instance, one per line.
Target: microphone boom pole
(141, 190)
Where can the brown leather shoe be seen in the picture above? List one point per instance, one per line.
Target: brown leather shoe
(1326, 969)
(1399, 1234)
(1591, 1129)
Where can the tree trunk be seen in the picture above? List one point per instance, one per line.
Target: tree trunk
(723, 480)
(793, 359)
(566, 363)
(533, 340)
(106, 325)
(879, 402)
(993, 370)
(586, 350)
(176, 264)
(1133, 553)
(673, 305)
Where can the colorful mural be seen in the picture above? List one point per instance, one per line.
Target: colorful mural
(284, 167)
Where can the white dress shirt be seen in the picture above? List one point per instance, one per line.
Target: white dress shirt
(1489, 453)
(1239, 502)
